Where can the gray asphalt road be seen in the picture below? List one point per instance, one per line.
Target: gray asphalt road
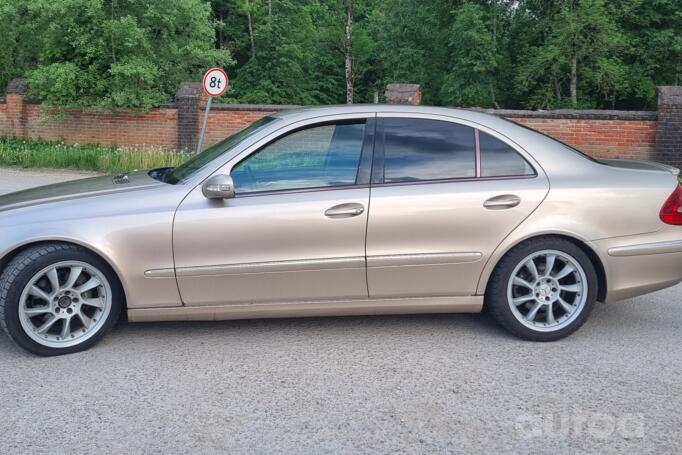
(14, 179)
(408, 384)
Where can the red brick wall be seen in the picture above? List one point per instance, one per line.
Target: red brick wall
(223, 122)
(153, 129)
(4, 127)
(599, 133)
(631, 139)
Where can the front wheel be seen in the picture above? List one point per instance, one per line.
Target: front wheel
(543, 289)
(58, 299)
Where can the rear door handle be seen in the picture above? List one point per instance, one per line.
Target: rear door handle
(345, 210)
(504, 201)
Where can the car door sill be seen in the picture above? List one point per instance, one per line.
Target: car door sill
(415, 305)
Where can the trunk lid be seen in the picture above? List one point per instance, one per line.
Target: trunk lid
(641, 165)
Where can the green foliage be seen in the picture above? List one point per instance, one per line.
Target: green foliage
(472, 75)
(115, 53)
(109, 160)
(485, 53)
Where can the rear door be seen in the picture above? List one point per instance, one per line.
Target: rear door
(444, 195)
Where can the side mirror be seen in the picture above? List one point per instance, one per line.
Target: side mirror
(218, 187)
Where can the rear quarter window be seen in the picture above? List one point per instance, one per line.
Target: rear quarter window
(501, 160)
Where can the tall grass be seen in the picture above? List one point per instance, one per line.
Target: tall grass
(104, 159)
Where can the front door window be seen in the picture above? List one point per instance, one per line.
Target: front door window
(317, 157)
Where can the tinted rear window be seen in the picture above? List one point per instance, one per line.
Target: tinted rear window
(421, 149)
(499, 159)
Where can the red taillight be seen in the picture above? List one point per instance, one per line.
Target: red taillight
(670, 212)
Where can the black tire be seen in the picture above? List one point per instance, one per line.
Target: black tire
(22, 268)
(498, 304)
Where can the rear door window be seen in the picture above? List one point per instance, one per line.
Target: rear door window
(422, 149)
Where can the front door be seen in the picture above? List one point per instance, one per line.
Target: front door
(444, 196)
(295, 230)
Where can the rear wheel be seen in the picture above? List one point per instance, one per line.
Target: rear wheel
(543, 289)
(58, 298)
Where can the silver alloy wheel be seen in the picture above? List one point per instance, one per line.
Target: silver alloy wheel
(65, 304)
(547, 290)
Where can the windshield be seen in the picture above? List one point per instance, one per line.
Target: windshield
(197, 162)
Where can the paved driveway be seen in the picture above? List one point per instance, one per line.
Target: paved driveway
(403, 384)
(14, 179)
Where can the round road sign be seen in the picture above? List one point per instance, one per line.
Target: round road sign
(215, 82)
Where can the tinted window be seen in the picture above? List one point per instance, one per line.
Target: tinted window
(191, 166)
(419, 149)
(499, 160)
(315, 157)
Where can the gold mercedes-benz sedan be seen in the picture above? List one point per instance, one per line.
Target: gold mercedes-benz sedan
(349, 210)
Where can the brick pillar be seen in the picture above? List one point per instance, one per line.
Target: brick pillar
(187, 100)
(403, 94)
(669, 125)
(16, 112)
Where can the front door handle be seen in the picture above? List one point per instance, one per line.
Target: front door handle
(505, 201)
(345, 210)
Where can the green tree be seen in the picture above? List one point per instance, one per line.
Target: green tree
(19, 43)
(653, 52)
(577, 39)
(475, 57)
(411, 43)
(120, 53)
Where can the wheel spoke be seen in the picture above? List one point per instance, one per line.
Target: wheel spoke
(35, 291)
(532, 268)
(54, 280)
(47, 324)
(90, 284)
(549, 264)
(550, 314)
(520, 300)
(533, 311)
(567, 270)
(570, 288)
(84, 319)
(568, 308)
(521, 282)
(35, 311)
(97, 303)
(66, 328)
(74, 273)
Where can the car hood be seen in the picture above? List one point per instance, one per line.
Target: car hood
(77, 189)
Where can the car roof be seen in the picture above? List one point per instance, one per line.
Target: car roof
(544, 149)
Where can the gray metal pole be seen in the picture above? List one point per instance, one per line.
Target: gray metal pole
(200, 145)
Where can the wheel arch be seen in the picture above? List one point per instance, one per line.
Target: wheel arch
(580, 243)
(17, 249)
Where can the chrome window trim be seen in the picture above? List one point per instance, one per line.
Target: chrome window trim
(276, 129)
(380, 141)
(369, 119)
(315, 189)
(455, 180)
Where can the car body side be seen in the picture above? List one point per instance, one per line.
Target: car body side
(610, 211)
